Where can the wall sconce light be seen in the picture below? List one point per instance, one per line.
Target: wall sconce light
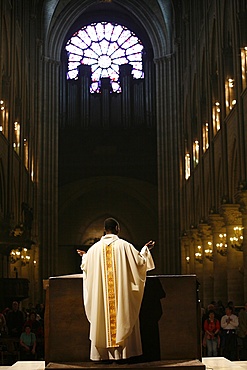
(20, 254)
(25, 258)
(222, 246)
(237, 239)
(209, 252)
(187, 259)
(15, 255)
(198, 255)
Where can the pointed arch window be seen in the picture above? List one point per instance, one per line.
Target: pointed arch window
(216, 117)
(187, 165)
(196, 152)
(16, 141)
(104, 46)
(205, 136)
(3, 118)
(244, 66)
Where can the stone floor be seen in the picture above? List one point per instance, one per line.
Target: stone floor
(207, 363)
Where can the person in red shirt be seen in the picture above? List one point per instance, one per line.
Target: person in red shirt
(212, 328)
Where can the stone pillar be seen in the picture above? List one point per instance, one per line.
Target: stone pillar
(185, 254)
(168, 164)
(196, 262)
(219, 257)
(206, 238)
(235, 280)
(47, 176)
(241, 198)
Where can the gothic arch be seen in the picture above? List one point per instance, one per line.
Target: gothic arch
(59, 18)
(93, 193)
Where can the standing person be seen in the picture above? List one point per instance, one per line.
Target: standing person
(15, 320)
(242, 331)
(229, 324)
(212, 328)
(3, 326)
(114, 275)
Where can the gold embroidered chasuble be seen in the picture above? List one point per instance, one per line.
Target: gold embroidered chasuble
(114, 275)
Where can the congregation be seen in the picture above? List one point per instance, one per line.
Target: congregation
(224, 331)
(22, 333)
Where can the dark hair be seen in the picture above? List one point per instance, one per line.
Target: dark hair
(110, 224)
(211, 311)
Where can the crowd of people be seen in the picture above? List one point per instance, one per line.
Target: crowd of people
(224, 331)
(24, 329)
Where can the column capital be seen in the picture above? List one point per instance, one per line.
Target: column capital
(51, 61)
(216, 221)
(185, 238)
(194, 234)
(164, 58)
(231, 214)
(205, 231)
(241, 198)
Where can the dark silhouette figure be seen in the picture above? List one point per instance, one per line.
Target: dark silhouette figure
(150, 314)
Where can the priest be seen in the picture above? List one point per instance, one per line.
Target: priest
(114, 275)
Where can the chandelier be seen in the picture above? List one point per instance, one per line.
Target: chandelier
(198, 255)
(237, 239)
(222, 245)
(20, 254)
(209, 252)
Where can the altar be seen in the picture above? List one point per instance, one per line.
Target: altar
(170, 319)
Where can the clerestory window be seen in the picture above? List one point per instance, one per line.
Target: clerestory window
(104, 46)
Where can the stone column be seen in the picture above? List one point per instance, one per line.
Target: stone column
(196, 262)
(47, 177)
(168, 164)
(235, 280)
(219, 257)
(206, 238)
(185, 254)
(241, 198)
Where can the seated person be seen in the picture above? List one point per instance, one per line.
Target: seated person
(28, 344)
(38, 330)
(35, 325)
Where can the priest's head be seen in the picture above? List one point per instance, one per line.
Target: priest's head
(111, 226)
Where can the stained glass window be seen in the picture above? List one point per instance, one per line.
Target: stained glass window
(104, 46)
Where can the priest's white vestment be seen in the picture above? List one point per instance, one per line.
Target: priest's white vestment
(114, 275)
